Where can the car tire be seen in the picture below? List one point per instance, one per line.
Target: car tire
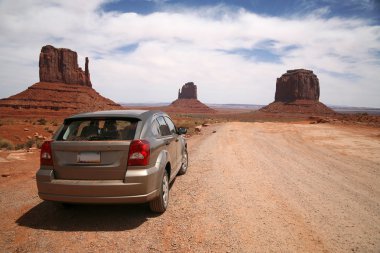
(160, 204)
(185, 164)
(65, 205)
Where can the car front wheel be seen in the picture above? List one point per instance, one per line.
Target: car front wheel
(160, 204)
(185, 163)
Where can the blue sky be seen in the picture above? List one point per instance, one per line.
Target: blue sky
(144, 50)
(347, 9)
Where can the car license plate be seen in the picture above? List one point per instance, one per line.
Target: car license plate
(88, 157)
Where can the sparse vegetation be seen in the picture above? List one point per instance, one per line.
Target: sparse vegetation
(191, 121)
(42, 121)
(47, 129)
(6, 144)
(39, 143)
(29, 144)
(20, 146)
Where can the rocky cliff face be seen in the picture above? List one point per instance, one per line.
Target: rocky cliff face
(188, 91)
(60, 65)
(297, 84)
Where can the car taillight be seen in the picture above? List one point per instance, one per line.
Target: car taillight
(139, 153)
(46, 157)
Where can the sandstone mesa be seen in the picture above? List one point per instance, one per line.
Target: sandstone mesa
(60, 65)
(297, 91)
(188, 102)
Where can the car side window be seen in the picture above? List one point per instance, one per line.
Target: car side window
(164, 128)
(155, 129)
(171, 125)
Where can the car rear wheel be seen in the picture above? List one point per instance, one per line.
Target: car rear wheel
(185, 164)
(160, 204)
(65, 205)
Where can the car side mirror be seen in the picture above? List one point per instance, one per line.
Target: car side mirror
(182, 130)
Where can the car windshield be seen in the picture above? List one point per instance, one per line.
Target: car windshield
(98, 129)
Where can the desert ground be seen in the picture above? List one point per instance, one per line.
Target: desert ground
(250, 187)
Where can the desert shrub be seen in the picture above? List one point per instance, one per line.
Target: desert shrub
(29, 143)
(7, 144)
(39, 143)
(47, 129)
(42, 121)
(20, 146)
(33, 142)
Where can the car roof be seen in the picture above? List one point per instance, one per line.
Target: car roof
(139, 114)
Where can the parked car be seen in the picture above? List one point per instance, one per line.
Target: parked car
(126, 156)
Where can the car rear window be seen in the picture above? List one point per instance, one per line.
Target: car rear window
(98, 129)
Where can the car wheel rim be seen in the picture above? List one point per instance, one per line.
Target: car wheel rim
(184, 162)
(165, 190)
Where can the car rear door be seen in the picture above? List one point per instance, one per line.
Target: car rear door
(177, 143)
(170, 142)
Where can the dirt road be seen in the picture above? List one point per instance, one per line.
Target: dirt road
(251, 187)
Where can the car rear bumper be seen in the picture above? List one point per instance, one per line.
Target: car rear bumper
(139, 186)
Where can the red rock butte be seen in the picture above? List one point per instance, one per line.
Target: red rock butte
(60, 65)
(297, 91)
(188, 91)
(64, 88)
(297, 84)
(188, 102)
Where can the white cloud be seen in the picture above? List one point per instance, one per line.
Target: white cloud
(174, 47)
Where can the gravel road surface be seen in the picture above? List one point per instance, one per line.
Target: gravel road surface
(250, 187)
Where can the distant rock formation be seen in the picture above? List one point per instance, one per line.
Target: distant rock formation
(297, 91)
(64, 89)
(58, 97)
(188, 91)
(189, 105)
(60, 65)
(188, 102)
(297, 84)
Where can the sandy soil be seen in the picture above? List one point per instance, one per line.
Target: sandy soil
(251, 187)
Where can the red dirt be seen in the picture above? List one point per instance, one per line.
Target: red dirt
(20, 131)
(293, 188)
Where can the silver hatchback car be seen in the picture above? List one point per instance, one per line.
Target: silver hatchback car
(126, 156)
